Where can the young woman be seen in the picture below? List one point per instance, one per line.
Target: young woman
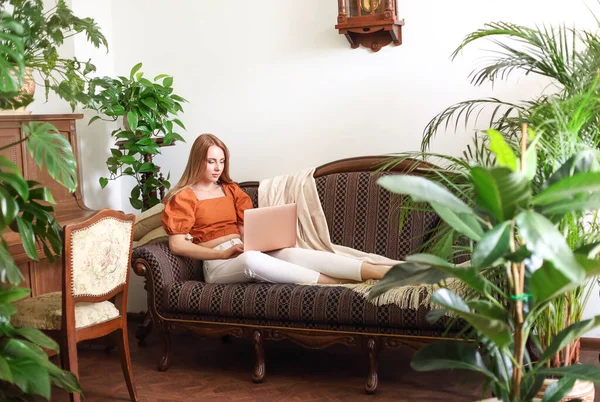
(209, 206)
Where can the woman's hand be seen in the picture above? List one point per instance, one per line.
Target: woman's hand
(233, 252)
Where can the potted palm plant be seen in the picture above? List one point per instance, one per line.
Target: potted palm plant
(567, 122)
(514, 228)
(43, 32)
(25, 368)
(148, 113)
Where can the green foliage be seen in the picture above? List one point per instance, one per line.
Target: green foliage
(567, 124)
(147, 110)
(519, 234)
(12, 63)
(43, 32)
(24, 207)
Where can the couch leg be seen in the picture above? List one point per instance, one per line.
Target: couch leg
(144, 329)
(259, 368)
(372, 380)
(164, 331)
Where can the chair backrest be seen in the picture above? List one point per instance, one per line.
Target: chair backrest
(97, 254)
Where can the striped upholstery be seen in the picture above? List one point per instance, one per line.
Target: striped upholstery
(360, 214)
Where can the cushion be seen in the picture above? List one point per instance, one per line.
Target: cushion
(154, 236)
(148, 221)
(45, 312)
(329, 305)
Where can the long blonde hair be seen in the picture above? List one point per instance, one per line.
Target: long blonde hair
(196, 164)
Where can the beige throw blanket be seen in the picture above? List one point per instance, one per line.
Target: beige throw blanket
(312, 225)
(313, 234)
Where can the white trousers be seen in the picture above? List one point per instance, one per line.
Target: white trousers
(288, 265)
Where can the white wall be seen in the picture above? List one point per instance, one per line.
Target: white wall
(283, 89)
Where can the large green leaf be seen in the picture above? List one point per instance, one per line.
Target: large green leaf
(62, 378)
(469, 275)
(567, 336)
(27, 238)
(494, 245)
(583, 161)
(408, 273)
(31, 376)
(12, 294)
(500, 191)
(449, 207)
(567, 189)
(542, 238)
(504, 154)
(495, 330)
(557, 390)
(12, 65)
(449, 355)
(17, 182)
(134, 70)
(465, 223)
(547, 282)
(45, 144)
(488, 309)
(420, 189)
(9, 208)
(37, 337)
(20, 348)
(487, 192)
(5, 373)
(8, 269)
(584, 372)
(132, 120)
(579, 203)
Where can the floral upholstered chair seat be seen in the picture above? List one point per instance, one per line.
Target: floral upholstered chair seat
(45, 312)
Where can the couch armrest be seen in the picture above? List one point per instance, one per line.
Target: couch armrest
(161, 267)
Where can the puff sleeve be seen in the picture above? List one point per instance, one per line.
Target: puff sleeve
(242, 202)
(179, 214)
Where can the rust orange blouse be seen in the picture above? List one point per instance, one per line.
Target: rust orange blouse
(206, 219)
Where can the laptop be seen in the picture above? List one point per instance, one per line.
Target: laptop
(270, 228)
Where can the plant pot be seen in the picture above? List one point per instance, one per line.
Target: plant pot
(583, 390)
(28, 88)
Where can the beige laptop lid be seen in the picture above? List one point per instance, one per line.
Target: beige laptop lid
(270, 228)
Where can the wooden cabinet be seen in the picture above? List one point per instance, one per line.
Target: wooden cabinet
(42, 276)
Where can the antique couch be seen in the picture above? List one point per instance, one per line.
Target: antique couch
(360, 214)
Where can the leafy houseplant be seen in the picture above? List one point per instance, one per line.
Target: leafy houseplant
(44, 31)
(514, 228)
(24, 367)
(148, 110)
(567, 121)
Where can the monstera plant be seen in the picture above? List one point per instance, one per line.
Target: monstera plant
(514, 229)
(24, 367)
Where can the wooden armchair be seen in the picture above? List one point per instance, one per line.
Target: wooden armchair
(93, 303)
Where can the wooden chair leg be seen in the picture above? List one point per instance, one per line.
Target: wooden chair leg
(123, 345)
(259, 368)
(372, 379)
(69, 359)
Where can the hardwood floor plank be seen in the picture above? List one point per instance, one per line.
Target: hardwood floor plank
(208, 370)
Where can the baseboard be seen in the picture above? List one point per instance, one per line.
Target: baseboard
(590, 343)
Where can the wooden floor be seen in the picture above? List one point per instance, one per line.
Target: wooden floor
(208, 370)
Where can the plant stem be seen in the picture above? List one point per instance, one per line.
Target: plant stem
(518, 273)
(12, 144)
